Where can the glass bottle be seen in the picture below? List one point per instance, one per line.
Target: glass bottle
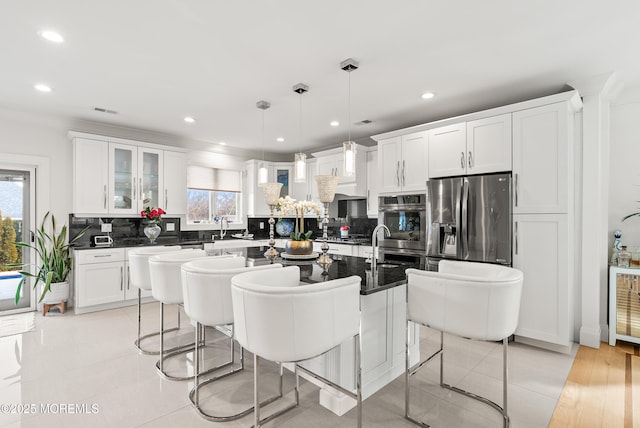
(635, 257)
(624, 257)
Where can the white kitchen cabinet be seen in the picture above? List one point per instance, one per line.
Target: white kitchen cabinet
(383, 333)
(307, 191)
(447, 150)
(542, 159)
(101, 280)
(402, 163)
(542, 251)
(175, 183)
(90, 176)
(135, 178)
(475, 147)
(331, 162)
(489, 145)
(373, 183)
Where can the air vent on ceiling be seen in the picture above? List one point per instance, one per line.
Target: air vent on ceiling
(364, 122)
(104, 110)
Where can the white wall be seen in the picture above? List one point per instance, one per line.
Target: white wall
(624, 179)
(26, 134)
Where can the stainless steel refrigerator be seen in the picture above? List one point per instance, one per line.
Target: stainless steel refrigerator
(470, 219)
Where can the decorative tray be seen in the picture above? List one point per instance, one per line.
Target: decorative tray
(313, 255)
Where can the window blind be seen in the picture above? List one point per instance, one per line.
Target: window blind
(222, 180)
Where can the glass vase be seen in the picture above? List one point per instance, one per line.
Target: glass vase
(152, 231)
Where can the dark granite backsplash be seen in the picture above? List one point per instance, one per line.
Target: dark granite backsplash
(357, 226)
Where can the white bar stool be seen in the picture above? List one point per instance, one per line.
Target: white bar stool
(139, 277)
(166, 287)
(477, 301)
(206, 288)
(279, 319)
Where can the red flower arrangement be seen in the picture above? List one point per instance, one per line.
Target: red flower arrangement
(152, 214)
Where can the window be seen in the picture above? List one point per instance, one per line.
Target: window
(213, 194)
(207, 206)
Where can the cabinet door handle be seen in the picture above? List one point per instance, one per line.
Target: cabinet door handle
(121, 278)
(403, 182)
(140, 188)
(398, 173)
(102, 255)
(105, 196)
(128, 278)
(135, 189)
(470, 160)
(462, 160)
(368, 199)
(515, 235)
(515, 188)
(166, 198)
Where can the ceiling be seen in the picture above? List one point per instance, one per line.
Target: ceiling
(156, 61)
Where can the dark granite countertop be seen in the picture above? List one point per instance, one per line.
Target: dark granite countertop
(342, 266)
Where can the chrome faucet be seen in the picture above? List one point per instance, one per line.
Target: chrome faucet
(374, 245)
(223, 229)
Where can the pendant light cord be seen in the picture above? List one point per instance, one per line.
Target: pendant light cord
(300, 141)
(263, 136)
(349, 109)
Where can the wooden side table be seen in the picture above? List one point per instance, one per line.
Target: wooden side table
(624, 304)
(46, 307)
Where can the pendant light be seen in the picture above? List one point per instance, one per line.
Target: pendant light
(300, 159)
(349, 147)
(263, 172)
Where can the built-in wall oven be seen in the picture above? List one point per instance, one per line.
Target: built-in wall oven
(405, 216)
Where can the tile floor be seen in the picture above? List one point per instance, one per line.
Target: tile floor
(87, 364)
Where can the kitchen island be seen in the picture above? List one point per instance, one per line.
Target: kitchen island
(383, 301)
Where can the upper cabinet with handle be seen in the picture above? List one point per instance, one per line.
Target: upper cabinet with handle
(135, 178)
(117, 177)
(542, 140)
(331, 162)
(402, 163)
(476, 147)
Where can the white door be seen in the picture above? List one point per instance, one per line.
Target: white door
(541, 160)
(17, 213)
(540, 245)
(372, 183)
(123, 179)
(150, 178)
(175, 183)
(414, 162)
(489, 145)
(100, 283)
(389, 156)
(448, 150)
(90, 176)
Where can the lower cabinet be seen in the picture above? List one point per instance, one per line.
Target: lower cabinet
(541, 249)
(383, 332)
(101, 280)
(342, 249)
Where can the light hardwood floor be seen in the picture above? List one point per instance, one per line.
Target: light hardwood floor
(602, 389)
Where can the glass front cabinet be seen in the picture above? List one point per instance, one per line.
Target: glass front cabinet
(624, 304)
(135, 178)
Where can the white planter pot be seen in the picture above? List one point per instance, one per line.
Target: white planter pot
(59, 293)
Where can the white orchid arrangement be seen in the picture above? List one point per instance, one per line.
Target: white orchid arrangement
(288, 206)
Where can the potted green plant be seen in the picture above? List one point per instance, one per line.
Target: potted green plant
(55, 262)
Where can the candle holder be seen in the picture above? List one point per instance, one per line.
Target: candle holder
(326, 191)
(271, 195)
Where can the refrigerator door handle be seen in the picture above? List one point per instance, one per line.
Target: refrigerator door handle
(464, 233)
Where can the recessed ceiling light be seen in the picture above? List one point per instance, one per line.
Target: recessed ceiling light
(189, 119)
(428, 95)
(280, 140)
(52, 36)
(43, 88)
(334, 123)
(222, 143)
